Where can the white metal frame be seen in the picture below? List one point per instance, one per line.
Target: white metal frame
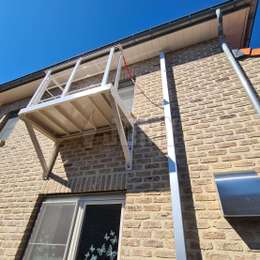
(178, 229)
(118, 108)
(65, 201)
(78, 217)
(47, 167)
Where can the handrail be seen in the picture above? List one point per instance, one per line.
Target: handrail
(40, 90)
(43, 87)
(72, 75)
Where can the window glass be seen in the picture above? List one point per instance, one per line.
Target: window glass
(51, 231)
(63, 230)
(100, 233)
(126, 92)
(8, 125)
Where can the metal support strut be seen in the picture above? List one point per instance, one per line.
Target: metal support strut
(173, 170)
(47, 167)
(118, 107)
(236, 66)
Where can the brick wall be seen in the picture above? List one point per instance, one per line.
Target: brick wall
(93, 164)
(215, 130)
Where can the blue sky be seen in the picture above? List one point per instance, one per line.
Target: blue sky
(38, 33)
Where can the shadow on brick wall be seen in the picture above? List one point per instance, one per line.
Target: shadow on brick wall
(96, 164)
(28, 230)
(189, 216)
(248, 228)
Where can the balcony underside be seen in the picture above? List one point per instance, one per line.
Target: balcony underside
(76, 114)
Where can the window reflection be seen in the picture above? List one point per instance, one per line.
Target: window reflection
(100, 232)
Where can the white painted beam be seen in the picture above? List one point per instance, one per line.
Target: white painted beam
(118, 71)
(92, 101)
(41, 129)
(37, 148)
(68, 116)
(49, 117)
(40, 90)
(72, 75)
(122, 135)
(82, 113)
(46, 168)
(172, 165)
(53, 158)
(107, 69)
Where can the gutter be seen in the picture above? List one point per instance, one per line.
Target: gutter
(248, 87)
(177, 220)
(138, 38)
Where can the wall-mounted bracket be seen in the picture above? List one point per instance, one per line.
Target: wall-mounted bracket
(126, 137)
(126, 134)
(47, 167)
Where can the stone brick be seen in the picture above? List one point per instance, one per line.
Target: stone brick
(152, 243)
(218, 256)
(214, 235)
(164, 253)
(152, 224)
(230, 246)
(216, 130)
(141, 252)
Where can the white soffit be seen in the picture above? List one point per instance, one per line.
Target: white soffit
(234, 26)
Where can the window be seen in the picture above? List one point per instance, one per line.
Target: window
(126, 92)
(100, 231)
(50, 234)
(7, 126)
(239, 194)
(78, 228)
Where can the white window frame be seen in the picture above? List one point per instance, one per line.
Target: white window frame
(94, 200)
(58, 201)
(78, 218)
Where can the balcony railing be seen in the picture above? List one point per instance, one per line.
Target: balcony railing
(61, 111)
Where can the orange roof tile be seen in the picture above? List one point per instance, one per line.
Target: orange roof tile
(251, 52)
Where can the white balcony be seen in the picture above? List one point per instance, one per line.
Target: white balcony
(61, 110)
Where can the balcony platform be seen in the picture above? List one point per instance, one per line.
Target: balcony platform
(61, 113)
(81, 113)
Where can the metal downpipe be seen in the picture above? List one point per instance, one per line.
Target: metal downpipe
(172, 166)
(236, 66)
